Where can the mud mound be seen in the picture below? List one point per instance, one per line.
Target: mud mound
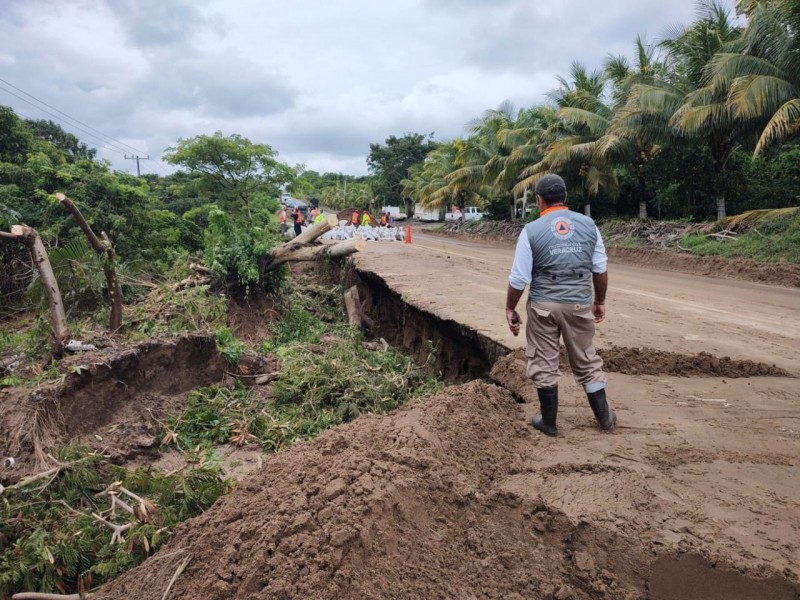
(510, 370)
(647, 361)
(428, 502)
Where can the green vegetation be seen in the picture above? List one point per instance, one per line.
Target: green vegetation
(699, 125)
(768, 235)
(327, 377)
(51, 538)
(769, 239)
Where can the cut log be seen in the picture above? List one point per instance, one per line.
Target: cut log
(279, 255)
(352, 304)
(101, 247)
(30, 237)
(308, 253)
(355, 313)
(313, 232)
(9, 364)
(347, 248)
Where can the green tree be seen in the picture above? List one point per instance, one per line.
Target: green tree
(390, 164)
(69, 145)
(16, 139)
(761, 71)
(433, 183)
(704, 112)
(631, 146)
(583, 119)
(234, 169)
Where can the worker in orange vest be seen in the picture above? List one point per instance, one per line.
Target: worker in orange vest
(297, 217)
(314, 214)
(354, 219)
(384, 219)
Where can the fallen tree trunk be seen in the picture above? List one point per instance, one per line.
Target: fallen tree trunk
(101, 247)
(299, 249)
(308, 253)
(30, 237)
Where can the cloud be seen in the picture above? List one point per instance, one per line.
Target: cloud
(156, 23)
(319, 81)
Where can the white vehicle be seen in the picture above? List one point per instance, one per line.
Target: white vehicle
(395, 213)
(427, 214)
(471, 213)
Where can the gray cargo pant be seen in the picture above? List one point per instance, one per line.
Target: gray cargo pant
(549, 321)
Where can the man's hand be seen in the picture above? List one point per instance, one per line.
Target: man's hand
(512, 316)
(514, 321)
(599, 312)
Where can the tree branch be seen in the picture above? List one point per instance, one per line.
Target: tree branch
(30, 237)
(101, 247)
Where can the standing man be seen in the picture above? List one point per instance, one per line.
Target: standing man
(283, 219)
(297, 217)
(355, 218)
(562, 256)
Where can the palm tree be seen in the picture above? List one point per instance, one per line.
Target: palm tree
(503, 142)
(625, 142)
(704, 112)
(583, 118)
(761, 71)
(432, 184)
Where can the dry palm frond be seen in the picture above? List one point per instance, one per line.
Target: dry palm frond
(748, 220)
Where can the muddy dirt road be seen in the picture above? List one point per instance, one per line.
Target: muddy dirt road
(696, 495)
(466, 281)
(718, 457)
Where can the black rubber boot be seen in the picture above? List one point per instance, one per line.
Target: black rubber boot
(546, 421)
(606, 418)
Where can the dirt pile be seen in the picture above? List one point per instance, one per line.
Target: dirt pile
(447, 498)
(510, 370)
(783, 274)
(648, 361)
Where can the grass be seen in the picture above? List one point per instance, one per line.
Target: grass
(772, 239)
(760, 235)
(318, 388)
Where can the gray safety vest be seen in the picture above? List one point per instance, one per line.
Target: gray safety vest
(562, 243)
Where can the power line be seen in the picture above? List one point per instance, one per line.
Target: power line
(70, 117)
(90, 135)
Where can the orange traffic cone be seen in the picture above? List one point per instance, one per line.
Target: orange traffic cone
(408, 235)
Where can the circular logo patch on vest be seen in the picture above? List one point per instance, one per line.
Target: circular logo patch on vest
(562, 228)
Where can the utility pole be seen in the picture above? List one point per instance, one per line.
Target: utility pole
(137, 158)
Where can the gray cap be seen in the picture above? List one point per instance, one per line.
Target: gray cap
(551, 187)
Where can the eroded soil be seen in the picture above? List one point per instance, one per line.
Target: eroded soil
(455, 496)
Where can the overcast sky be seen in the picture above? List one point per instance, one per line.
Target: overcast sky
(318, 80)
